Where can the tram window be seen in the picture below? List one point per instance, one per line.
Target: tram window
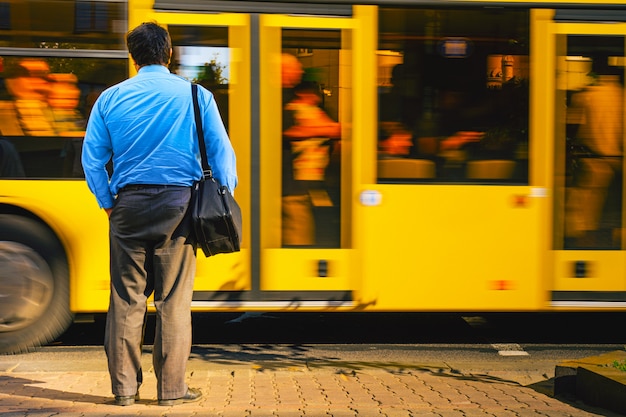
(60, 24)
(313, 99)
(46, 95)
(44, 106)
(91, 17)
(453, 95)
(589, 147)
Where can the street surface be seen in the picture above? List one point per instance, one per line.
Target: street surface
(325, 365)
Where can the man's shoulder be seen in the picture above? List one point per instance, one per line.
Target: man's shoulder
(116, 87)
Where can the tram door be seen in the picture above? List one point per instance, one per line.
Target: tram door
(589, 234)
(305, 157)
(283, 86)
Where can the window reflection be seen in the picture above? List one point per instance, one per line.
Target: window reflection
(453, 95)
(202, 55)
(44, 106)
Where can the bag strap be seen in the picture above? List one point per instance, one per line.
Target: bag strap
(206, 168)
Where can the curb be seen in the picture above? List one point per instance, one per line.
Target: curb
(594, 381)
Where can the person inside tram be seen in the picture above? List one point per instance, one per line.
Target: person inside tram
(398, 111)
(600, 131)
(30, 80)
(297, 215)
(310, 134)
(450, 130)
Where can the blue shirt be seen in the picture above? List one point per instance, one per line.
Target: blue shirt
(146, 124)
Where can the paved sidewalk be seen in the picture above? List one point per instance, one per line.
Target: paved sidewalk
(286, 389)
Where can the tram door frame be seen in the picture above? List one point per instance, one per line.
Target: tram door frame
(581, 277)
(265, 275)
(315, 274)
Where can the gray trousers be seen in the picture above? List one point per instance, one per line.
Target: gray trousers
(150, 253)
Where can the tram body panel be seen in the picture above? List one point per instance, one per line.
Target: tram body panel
(475, 251)
(81, 227)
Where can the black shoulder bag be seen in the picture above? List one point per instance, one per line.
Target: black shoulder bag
(215, 215)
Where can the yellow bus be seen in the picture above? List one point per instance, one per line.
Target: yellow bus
(479, 165)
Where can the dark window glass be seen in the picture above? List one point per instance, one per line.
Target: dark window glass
(63, 25)
(5, 16)
(92, 17)
(453, 95)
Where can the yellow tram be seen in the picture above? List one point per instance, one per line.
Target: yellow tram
(478, 164)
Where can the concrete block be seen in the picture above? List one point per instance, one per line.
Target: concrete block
(602, 386)
(594, 380)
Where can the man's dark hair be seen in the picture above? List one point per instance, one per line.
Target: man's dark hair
(149, 44)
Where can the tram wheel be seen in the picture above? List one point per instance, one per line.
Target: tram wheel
(34, 285)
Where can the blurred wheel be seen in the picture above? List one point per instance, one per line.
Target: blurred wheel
(34, 285)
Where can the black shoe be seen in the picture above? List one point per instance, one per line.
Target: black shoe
(125, 400)
(193, 394)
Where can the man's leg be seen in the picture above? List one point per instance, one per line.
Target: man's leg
(129, 291)
(174, 271)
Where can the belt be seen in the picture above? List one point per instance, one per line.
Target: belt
(137, 187)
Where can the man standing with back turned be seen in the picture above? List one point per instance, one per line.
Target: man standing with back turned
(145, 126)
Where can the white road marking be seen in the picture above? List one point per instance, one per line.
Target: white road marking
(509, 349)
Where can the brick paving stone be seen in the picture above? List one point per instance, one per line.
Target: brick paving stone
(452, 413)
(316, 411)
(232, 413)
(290, 413)
(342, 412)
(477, 412)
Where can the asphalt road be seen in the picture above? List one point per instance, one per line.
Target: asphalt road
(385, 328)
(382, 328)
